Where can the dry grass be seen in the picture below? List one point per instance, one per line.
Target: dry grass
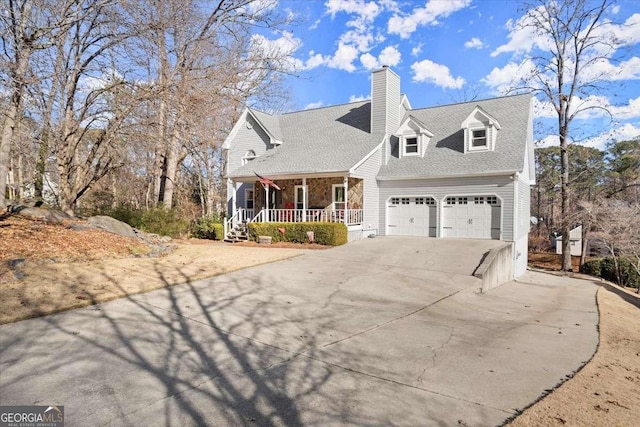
(94, 266)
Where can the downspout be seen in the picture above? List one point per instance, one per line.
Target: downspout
(516, 224)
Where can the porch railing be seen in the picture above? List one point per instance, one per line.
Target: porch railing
(346, 216)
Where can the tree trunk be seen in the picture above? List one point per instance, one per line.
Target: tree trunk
(564, 190)
(585, 237)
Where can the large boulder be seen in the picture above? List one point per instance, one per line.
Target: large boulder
(48, 215)
(111, 225)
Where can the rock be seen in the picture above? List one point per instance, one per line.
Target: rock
(111, 225)
(81, 227)
(48, 215)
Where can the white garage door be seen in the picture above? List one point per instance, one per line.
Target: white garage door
(474, 217)
(412, 216)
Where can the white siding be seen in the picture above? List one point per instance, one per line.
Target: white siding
(501, 186)
(368, 171)
(385, 101)
(246, 139)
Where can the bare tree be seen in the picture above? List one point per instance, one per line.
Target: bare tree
(577, 39)
(617, 225)
(195, 49)
(27, 26)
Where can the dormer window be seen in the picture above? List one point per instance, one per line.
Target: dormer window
(480, 131)
(479, 138)
(413, 137)
(248, 156)
(411, 146)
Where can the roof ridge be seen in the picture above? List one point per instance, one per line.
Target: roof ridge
(475, 101)
(327, 106)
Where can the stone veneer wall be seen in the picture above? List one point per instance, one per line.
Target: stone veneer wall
(318, 189)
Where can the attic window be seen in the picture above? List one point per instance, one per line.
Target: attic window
(248, 156)
(411, 146)
(479, 138)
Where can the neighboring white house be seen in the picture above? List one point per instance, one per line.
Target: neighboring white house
(595, 247)
(382, 167)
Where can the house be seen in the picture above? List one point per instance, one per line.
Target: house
(382, 167)
(595, 246)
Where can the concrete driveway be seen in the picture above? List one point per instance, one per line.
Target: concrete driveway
(385, 331)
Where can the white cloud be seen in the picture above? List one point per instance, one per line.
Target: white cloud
(438, 74)
(365, 10)
(590, 107)
(417, 50)
(427, 15)
(369, 61)
(283, 47)
(615, 9)
(505, 79)
(357, 98)
(603, 69)
(313, 105)
(523, 37)
(343, 58)
(389, 56)
(474, 43)
(624, 132)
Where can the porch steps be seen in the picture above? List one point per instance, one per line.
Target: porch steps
(238, 234)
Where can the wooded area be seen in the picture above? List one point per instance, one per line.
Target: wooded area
(126, 103)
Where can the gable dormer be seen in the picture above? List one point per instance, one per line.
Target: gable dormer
(480, 131)
(413, 138)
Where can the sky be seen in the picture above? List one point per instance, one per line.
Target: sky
(448, 51)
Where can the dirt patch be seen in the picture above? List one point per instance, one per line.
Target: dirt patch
(550, 261)
(607, 390)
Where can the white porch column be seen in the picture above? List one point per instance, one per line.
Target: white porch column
(232, 185)
(346, 198)
(304, 195)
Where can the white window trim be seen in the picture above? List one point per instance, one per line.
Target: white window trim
(248, 157)
(403, 145)
(487, 146)
(304, 202)
(246, 198)
(333, 194)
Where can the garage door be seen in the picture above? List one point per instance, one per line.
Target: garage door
(474, 217)
(412, 216)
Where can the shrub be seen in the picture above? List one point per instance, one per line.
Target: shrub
(208, 228)
(325, 233)
(605, 268)
(166, 222)
(592, 267)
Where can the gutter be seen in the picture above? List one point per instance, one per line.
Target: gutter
(474, 175)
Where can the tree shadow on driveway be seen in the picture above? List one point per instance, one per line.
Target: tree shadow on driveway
(211, 352)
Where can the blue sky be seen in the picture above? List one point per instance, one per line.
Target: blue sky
(446, 51)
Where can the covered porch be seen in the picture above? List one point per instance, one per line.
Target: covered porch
(303, 199)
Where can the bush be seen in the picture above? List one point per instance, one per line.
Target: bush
(208, 228)
(164, 222)
(592, 267)
(605, 268)
(325, 233)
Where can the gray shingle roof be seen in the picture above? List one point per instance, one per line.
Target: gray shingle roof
(322, 140)
(445, 153)
(334, 139)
